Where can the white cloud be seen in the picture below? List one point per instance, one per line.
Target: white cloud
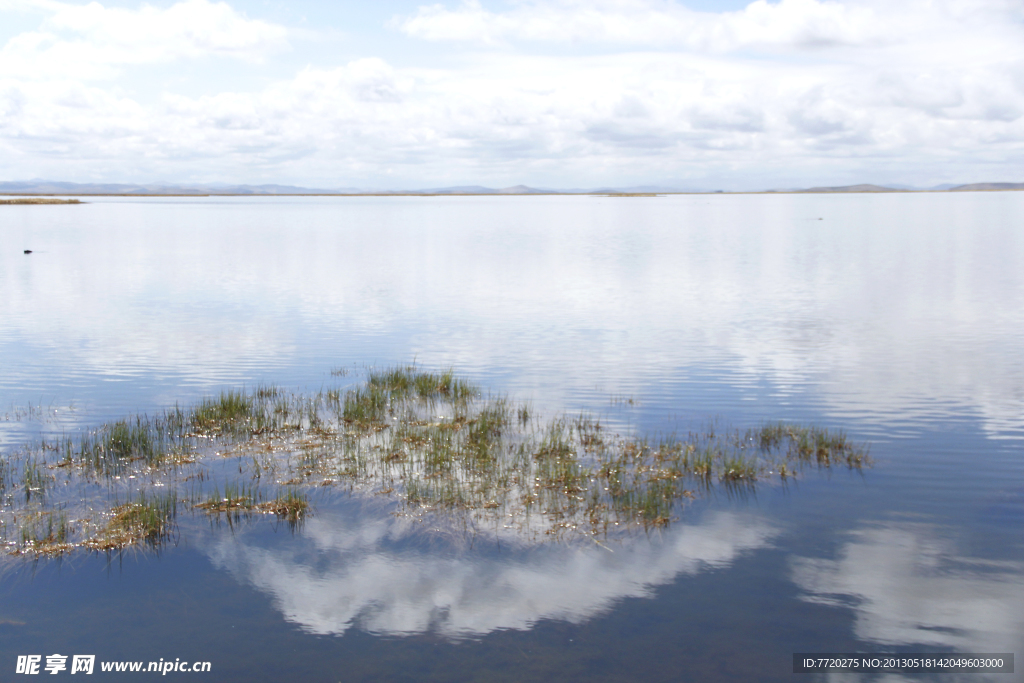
(804, 23)
(93, 41)
(800, 88)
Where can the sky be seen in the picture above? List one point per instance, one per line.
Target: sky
(692, 94)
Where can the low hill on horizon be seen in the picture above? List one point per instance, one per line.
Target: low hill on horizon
(974, 187)
(863, 187)
(60, 187)
(50, 187)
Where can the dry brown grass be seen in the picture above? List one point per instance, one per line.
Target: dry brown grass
(39, 200)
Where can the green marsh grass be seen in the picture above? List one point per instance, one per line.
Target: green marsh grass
(431, 441)
(34, 479)
(45, 533)
(291, 506)
(6, 477)
(147, 519)
(236, 497)
(244, 501)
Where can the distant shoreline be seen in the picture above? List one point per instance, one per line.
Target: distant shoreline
(52, 197)
(39, 199)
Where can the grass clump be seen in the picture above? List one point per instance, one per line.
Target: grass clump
(737, 468)
(236, 498)
(386, 392)
(810, 444)
(407, 381)
(366, 407)
(232, 412)
(45, 533)
(291, 506)
(39, 200)
(242, 500)
(116, 447)
(34, 479)
(431, 440)
(148, 519)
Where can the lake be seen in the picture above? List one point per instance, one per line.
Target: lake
(895, 318)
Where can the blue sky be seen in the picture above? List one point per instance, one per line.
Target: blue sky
(550, 93)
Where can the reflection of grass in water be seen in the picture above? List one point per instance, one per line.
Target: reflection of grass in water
(33, 412)
(432, 440)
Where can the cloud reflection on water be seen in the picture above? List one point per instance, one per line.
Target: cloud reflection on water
(564, 295)
(344, 573)
(907, 585)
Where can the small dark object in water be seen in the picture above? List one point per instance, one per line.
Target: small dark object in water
(28, 251)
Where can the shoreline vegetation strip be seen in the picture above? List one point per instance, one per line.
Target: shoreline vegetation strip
(40, 200)
(430, 441)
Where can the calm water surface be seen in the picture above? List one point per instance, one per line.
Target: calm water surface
(899, 318)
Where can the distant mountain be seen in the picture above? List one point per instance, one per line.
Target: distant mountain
(642, 189)
(462, 189)
(52, 187)
(987, 186)
(273, 189)
(47, 187)
(465, 189)
(523, 189)
(865, 187)
(55, 187)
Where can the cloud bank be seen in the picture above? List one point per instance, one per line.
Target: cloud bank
(548, 92)
(793, 23)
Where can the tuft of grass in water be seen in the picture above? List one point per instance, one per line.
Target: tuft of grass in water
(34, 479)
(232, 411)
(147, 519)
(385, 392)
(236, 497)
(114, 447)
(365, 407)
(810, 444)
(45, 533)
(738, 468)
(243, 500)
(291, 506)
(406, 381)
